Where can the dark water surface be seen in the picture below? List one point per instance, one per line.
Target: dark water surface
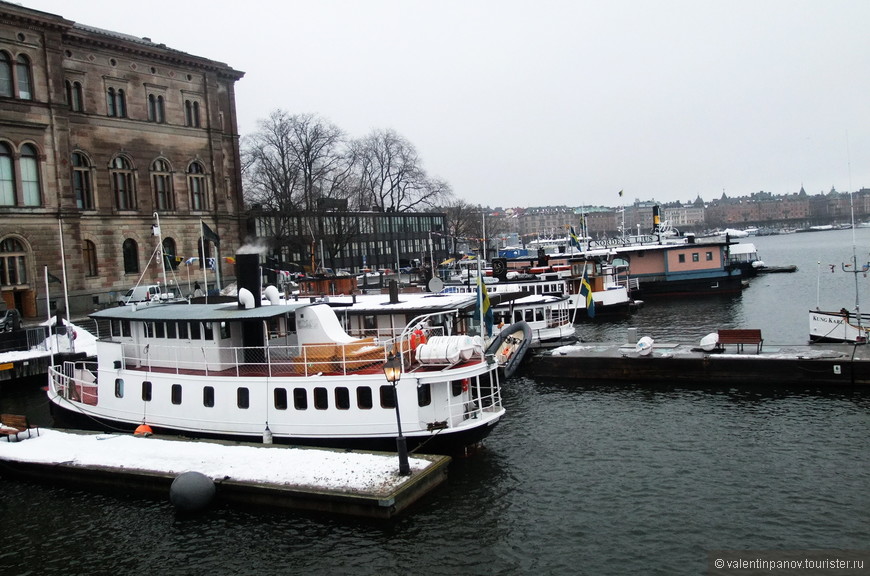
(590, 479)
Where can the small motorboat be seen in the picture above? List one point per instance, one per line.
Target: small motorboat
(509, 347)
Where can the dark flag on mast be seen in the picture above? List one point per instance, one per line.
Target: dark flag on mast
(209, 234)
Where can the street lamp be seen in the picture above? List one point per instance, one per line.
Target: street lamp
(393, 372)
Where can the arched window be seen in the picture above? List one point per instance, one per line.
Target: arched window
(7, 176)
(156, 109)
(5, 75)
(74, 96)
(25, 83)
(81, 181)
(121, 173)
(131, 256)
(116, 102)
(89, 256)
(191, 113)
(170, 256)
(13, 263)
(30, 187)
(161, 182)
(196, 185)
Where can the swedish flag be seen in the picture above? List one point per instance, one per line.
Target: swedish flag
(484, 306)
(575, 241)
(586, 292)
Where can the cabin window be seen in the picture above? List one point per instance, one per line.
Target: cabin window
(115, 327)
(300, 398)
(321, 398)
(280, 396)
(243, 398)
(208, 331)
(208, 396)
(696, 257)
(682, 259)
(387, 398)
(119, 387)
(364, 398)
(225, 330)
(160, 330)
(342, 398)
(709, 256)
(176, 394)
(194, 330)
(424, 395)
(170, 330)
(125, 328)
(182, 330)
(149, 329)
(456, 387)
(146, 391)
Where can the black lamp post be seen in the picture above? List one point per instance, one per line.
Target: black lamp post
(393, 372)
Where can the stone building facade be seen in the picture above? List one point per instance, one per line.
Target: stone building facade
(101, 135)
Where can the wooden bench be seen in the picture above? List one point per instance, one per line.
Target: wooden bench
(13, 424)
(741, 337)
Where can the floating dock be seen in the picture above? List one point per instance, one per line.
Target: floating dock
(345, 482)
(671, 363)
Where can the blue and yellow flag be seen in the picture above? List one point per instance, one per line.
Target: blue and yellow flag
(484, 306)
(575, 241)
(586, 292)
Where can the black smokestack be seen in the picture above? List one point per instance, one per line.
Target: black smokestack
(248, 275)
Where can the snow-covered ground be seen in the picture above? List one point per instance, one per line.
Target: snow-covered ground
(84, 341)
(297, 467)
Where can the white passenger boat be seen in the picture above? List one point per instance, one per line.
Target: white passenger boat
(287, 372)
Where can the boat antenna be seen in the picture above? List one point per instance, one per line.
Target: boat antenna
(155, 231)
(854, 242)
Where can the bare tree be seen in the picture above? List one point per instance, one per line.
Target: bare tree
(390, 174)
(294, 160)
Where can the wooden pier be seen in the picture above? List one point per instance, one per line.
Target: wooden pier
(243, 473)
(670, 363)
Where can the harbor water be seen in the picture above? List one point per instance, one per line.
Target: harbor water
(593, 479)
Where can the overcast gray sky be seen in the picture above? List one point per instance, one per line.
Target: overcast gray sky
(545, 102)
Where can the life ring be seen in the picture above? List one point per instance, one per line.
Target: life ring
(465, 384)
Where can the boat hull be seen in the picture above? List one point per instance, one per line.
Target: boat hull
(842, 326)
(509, 347)
(453, 442)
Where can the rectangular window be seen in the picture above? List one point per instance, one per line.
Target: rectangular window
(208, 396)
(119, 387)
(424, 395)
(280, 396)
(146, 391)
(176, 394)
(342, 398)
(125, 328)
(364, 398)
(170, 330)
(209, 331)
(709, 256)
(182, 330)
(194, 330)
(321, 398)
(300, 398)
(159, 330)
(696, 257)
(243, 398)
(225, 330)
(456, 387)
(387, 398)
(682, 258)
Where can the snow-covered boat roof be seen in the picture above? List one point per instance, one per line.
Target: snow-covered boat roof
(222, 312)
